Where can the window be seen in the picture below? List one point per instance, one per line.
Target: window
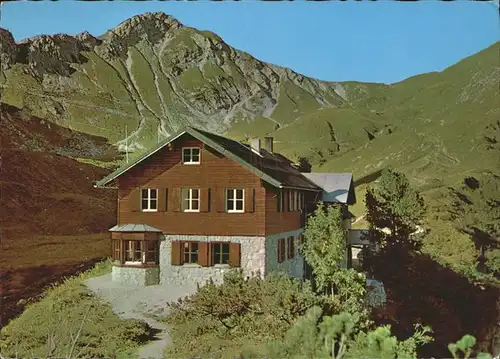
(235, 200)
(301, 201)
(191, 155)
(151, 252)
(300, 241)
(191, 199)
(149, 199)
(116, 250)
(133, 251)
(281, 201)
(281, 250)
(290, 247)
(205, 254)
(220, 253)
(190, 252)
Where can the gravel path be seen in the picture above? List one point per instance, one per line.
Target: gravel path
(140, 303)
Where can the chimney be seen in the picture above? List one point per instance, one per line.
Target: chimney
(268, 144)
(255, 144)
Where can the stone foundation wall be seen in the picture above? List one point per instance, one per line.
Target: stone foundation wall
(136, 276)
(253, 260)
(293, 267)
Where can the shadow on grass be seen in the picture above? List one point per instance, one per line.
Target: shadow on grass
(420, 290)
(368, 178)
(150, 336)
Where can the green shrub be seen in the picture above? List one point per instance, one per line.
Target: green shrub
(340, 336)
(69, 322)
(237, 317)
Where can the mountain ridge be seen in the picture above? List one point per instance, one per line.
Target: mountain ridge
(150, 75)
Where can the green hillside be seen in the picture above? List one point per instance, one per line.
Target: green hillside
(150, 75)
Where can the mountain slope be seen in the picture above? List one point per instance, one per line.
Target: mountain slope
(153, 74)
(443, 126)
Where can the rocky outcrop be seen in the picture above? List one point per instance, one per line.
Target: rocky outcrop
(171, 74)
(8, 49)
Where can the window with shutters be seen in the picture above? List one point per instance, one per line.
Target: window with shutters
(281, 250)
(190, 252)
(235, 199)
(149, 200)
(191, 155)
(220, 253)
(133, 252)
(190, 200)
(290, 247)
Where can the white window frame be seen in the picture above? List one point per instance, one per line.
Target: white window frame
(191, 155)
(133, 242)
(235, 190)
(148, 198)
(190, 200)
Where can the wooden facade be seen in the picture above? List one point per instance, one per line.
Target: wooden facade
(214, 174)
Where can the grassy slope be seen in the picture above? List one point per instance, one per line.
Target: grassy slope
(48, 325)
(52, 217)
(439, 122)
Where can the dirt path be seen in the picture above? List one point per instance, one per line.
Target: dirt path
(143, 303)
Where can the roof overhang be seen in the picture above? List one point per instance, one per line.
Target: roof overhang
(134, 228)
(302, 188)
(335, 186)
(199, 136)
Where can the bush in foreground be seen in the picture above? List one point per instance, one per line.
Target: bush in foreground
(341, 337)
(236, 317)
(69, 322)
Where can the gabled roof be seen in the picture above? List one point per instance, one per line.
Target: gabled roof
(336, 186)
(270, 167)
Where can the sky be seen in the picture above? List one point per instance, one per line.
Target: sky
(379, 41)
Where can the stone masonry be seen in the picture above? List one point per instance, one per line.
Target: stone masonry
(258, 256)
(135, 276)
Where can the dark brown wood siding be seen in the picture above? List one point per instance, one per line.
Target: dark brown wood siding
(279, 222)
(279, 219)
(164, 169)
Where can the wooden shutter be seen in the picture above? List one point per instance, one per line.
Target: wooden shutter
(162, 199)
(203, 254)
(220, 200)
(175, 199)
(184, 194)
(135, 200)
(249, 199)
(176, 258)
(205, 200)
(234, 255)
(291, 247)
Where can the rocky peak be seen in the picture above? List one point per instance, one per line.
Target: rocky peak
(87, 40)
(148, 27)
(51, 54)
(8, 50)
